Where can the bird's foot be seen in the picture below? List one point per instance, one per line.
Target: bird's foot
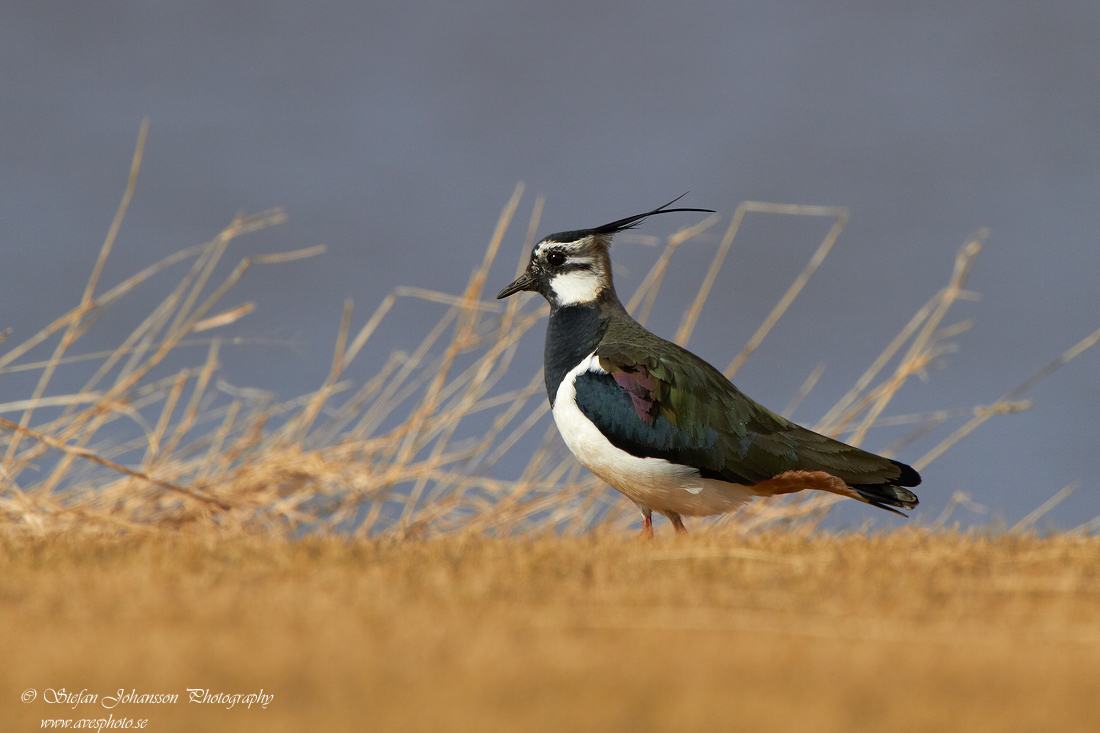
(647, 525)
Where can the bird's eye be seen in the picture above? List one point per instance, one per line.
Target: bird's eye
(555, 259)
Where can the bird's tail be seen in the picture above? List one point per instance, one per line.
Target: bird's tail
(886, 496)
(890, 494)
(886, 493)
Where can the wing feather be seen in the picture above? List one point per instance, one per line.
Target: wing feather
(680, 408)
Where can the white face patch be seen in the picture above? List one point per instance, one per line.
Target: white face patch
(576, 286)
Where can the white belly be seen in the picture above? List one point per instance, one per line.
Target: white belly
(649, 482)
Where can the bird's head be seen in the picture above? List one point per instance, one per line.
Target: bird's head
(571, 268)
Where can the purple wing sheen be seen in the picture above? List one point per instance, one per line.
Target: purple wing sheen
(641, 386)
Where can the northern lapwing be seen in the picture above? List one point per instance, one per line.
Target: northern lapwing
(658, 423)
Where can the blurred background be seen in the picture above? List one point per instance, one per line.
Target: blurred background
(394, 134)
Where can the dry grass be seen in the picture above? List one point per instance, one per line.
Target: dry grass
(912, 630)
(430, 444)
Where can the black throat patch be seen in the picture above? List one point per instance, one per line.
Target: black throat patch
(572, 333)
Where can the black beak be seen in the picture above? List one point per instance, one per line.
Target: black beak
(524, 282)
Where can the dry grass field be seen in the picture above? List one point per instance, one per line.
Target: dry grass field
(409, 546)
(912, 630)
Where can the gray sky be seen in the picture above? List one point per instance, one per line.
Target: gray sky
(394, 133)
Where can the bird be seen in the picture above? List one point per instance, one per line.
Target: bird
(658, 423)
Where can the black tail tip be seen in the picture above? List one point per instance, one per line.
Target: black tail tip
(908, 477)
(886, 497)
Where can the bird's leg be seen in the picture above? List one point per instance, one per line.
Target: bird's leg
(647, 523)
(677, 523)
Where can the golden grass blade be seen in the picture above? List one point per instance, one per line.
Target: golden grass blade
(190, 414)
(1027, 524)
(120, 214)
(463, 329)
(134, 344)
(276, 258)
(1010, 402)
(73, 331)
(683, 333)
(106, 299)
(918, 355)
(196, 280)
(804, 390)
(692, 316)
(216, 453)
(784, 303)
(89, 422)
(646, 293)
(385, 404)
(225, 318)
(959, 498)
(432, 296)
(154, 442)
(308, 416)
(1071, 353)
(89, 455)
(54, 401)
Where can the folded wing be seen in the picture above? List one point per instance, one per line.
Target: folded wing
(680, 408)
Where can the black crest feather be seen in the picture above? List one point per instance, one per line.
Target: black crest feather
(617, 226)
(632, 221)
